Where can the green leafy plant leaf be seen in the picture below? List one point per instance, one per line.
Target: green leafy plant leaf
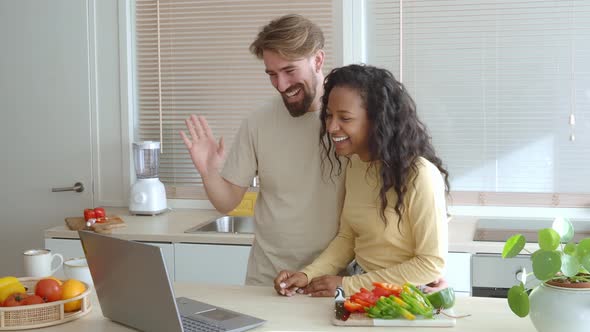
(570, 265)
(548, 239)
(583, 248)
(513, 246)
(546, 264)
(518, 300)
(536, 253)
(564, 228)
(570, 249)
(585, 262)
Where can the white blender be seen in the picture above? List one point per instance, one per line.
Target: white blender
(148, 195)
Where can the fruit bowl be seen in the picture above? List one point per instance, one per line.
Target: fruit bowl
(42, 315)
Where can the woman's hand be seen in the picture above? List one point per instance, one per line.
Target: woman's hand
(435, 286)
(323, 286)
(289, 282)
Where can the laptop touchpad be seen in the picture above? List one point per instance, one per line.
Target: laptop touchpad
(218, 314)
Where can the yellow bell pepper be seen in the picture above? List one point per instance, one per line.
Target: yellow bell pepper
(7, 280)
(9, 286)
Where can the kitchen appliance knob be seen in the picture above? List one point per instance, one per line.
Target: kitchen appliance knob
(140, 198)
(519, 275)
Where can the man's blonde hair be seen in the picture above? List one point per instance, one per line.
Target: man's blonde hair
(291, 36)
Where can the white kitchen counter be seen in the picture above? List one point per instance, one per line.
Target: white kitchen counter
(169, 227)
(303, 313)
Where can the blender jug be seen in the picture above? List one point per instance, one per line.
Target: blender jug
(147, 159)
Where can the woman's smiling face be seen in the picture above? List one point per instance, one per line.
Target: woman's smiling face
(347, 122)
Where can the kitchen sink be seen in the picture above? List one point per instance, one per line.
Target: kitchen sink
(226, 224)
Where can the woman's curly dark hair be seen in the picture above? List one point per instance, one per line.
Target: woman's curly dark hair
(396, 138)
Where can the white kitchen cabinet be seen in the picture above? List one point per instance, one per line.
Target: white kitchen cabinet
(211, 263)
(168, 252)
(72, 248)
(458, 272)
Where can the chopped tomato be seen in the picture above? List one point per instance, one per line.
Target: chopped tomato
(353, 306)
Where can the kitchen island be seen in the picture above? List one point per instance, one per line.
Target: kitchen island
(303, 313)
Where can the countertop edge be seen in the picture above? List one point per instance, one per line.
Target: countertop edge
(170, 227)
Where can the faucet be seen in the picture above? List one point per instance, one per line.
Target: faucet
(255, 182)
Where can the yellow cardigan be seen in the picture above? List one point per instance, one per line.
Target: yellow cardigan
(416, 254)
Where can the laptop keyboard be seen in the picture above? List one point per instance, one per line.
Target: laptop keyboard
(193, 325)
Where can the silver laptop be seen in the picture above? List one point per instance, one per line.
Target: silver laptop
(133, 289)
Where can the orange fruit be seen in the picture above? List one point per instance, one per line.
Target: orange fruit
(72, 288)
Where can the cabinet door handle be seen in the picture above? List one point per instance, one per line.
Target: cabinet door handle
(78, 187)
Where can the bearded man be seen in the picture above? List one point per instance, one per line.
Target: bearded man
(298, 207)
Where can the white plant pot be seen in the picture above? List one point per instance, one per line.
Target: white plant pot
(556, 309)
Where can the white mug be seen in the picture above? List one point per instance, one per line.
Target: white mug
(77, 268)
(38, 263)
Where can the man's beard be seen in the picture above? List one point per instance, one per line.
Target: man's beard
(300, 108)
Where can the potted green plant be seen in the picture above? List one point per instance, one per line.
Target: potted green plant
(561, 302)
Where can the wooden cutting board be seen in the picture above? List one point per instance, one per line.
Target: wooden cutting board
(360, 319)
(78, 223)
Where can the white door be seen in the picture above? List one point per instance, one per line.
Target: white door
(45, 116)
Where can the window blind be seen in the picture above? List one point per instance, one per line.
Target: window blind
(192, 56)
(383, 35)
(504, 88)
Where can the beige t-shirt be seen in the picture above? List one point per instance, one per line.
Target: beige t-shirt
(416, 254)
(298, 208)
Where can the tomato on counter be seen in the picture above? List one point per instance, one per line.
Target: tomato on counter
(33, 299)
(89, 214)
(99, 212)
(15, 300)
(48, 289)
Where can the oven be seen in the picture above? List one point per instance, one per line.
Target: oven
(492, 276)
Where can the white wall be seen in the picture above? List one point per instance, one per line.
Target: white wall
(23, 173)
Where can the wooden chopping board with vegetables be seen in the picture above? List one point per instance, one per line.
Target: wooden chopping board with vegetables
(393, 305)
(95, 220)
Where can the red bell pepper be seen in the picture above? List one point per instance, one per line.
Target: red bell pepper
(353, 306)
(385, 289)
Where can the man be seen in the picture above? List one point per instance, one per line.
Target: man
(298, 207)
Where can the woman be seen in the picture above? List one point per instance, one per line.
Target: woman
(394, 220)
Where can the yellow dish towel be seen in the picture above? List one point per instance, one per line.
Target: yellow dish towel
(246, 207)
